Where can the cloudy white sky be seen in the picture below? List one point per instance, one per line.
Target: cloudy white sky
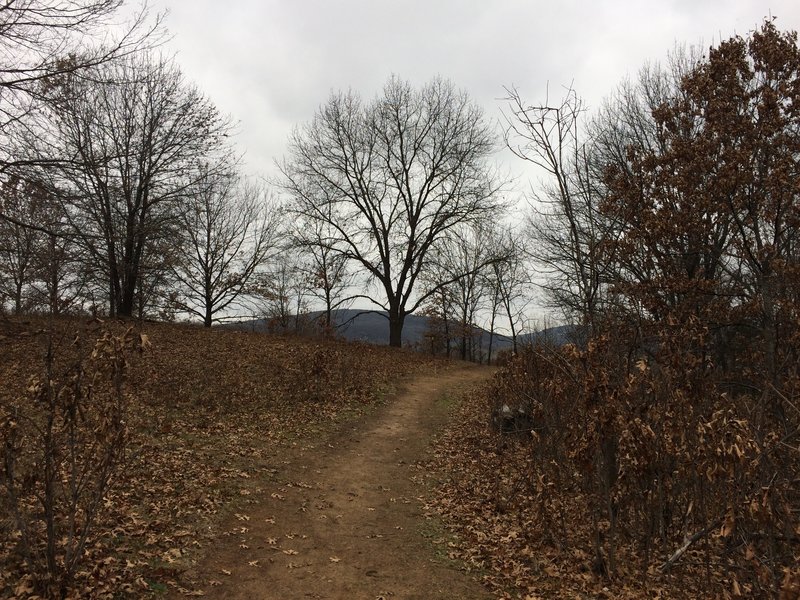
(271, 63)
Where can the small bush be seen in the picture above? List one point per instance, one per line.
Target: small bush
(62, 443)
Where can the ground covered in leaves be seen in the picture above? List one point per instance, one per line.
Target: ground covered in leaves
(487, 502)
(344, 518)
(210, 414)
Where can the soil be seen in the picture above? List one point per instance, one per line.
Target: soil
(344, 518)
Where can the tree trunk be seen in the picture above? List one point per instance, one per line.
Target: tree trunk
(491, 338)
(396, 319)
(510, 316)
(18, 298)
(128, 302)
(465, 333)
(768, 327)
(328, 312)
(128, 287)
(113, 296)
(448, 347)
(53, 292)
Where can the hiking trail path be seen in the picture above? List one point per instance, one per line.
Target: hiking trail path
(344, 518)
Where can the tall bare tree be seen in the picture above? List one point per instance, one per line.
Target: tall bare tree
(458, 273)
(508, 282)
(392, 177)
(139, 132)
(566, 223)
(230, 227)
(328, 274)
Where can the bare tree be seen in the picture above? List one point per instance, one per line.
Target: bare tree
(18, 245)
(282, 292)
(566, 222)
(38, 266)
(460, 260)
(508, 282)
(392, 177)
(230, 227)
(139, 132)
(62, 277)
(41, 40)
(326, 268)
(440, 329)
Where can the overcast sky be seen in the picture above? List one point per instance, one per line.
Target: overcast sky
(271, 63)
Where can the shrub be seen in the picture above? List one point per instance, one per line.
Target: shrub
(62, 443)
(661, 452)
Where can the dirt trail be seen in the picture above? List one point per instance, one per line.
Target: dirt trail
(343, 519)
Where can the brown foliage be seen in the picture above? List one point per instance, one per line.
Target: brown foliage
(63, 439)
(627, 461)
(664, 451)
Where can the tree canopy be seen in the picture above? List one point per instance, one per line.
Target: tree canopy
(391, 177)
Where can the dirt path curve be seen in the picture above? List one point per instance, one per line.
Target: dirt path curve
(344, 519)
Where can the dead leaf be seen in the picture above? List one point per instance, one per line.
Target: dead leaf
(736, 589)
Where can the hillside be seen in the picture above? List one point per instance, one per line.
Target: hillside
(209, 415)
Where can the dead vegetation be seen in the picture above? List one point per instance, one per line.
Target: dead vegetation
(663, 456)
(201, 420)
(638, 476)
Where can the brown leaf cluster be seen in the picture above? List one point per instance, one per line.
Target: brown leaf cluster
(659, 452)
(633, 476)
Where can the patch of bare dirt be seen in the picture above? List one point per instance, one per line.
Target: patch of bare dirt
(344, 518)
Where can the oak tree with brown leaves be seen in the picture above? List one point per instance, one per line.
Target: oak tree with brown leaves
(663, 449)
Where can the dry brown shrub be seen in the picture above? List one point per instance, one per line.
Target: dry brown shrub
(644, 462)
(63, 440)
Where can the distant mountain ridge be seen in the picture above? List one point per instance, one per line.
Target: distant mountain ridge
(373, 327)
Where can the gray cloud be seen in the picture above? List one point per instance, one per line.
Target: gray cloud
(271, 64)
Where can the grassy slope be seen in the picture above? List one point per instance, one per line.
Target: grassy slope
(210, 414)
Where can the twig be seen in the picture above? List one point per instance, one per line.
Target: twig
(687, 542)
